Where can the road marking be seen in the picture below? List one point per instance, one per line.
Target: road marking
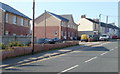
(3, 66)
(91, 59)
(103, 53)
(69, 68)
(112, 49)
(10, 67)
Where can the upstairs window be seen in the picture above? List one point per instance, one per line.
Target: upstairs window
(6, 16)
(14, 20)
(62, 23)
(22, 21)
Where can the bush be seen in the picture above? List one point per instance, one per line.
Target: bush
(15, 43)
(2, 46)
(10, 44)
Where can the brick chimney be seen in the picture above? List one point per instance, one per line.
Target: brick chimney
(83, 16)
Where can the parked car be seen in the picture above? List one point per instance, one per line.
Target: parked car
(84, 37)
(104, 37)
(44, 41)
(56, 40)
(91, 38)
(114, 37)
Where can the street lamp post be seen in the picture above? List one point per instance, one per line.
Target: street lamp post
(99, 23)
(33, 27)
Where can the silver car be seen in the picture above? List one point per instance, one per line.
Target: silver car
(104, 37)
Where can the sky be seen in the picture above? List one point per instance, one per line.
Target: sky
(91, 9)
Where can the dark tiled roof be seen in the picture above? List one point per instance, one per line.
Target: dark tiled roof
(104, 24)
(12, 10)
(58, 16)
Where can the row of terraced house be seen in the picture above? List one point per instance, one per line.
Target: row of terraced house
(49, 25)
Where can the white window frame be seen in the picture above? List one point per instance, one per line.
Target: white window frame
(68, 34)
(22, 21)
(7, 17)
(62, 33)
(6, 32)
(14, 19)
(55, 33)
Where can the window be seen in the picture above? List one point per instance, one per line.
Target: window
(14, 34)
(6, 17)
(62, 33)
(72, 34)
(68, 25)
(95, 26)
(68, 34)
(28, 23)
(22, 21)
(65, 33)
(62, 23)
(56, 33)
(14, 20)
(6, 32)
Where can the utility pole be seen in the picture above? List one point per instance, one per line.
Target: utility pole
(106, 23)
(99, 22)
(45, 23)
(33, 27)
(106, 19)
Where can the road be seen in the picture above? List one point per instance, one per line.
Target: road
(99, 58)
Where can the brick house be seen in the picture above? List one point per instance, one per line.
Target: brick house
(13, 22)
(72, 27)
(50, 25)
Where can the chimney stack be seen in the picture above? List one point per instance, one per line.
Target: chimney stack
(83, 16)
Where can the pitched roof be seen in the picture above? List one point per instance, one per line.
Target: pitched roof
(69, 17)
(12, 10)
(58, 16)
(103, 24)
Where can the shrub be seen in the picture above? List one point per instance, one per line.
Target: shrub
(15, 43)
(10, 44)
(2, 46)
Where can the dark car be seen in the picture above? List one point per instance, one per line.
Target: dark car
(57, 40)
(45, 41)
(93, 38)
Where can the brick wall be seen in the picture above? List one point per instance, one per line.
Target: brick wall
(50, 32)
(64, 29)
(18, 30)
(38, 47)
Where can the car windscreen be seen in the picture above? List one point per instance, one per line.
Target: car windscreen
(104, 35)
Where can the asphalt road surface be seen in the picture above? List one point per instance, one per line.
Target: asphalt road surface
(99, 58)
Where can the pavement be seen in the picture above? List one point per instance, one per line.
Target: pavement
(44, 55)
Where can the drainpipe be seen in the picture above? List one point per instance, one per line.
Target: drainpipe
(4, 22)
(60, 30)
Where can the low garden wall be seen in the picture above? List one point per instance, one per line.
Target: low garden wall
(19, 51)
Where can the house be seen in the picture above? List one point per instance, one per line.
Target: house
(72, 27)
(87, 26)
(93, 26)
(14, 25)
(50, 25)
(13, 22)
